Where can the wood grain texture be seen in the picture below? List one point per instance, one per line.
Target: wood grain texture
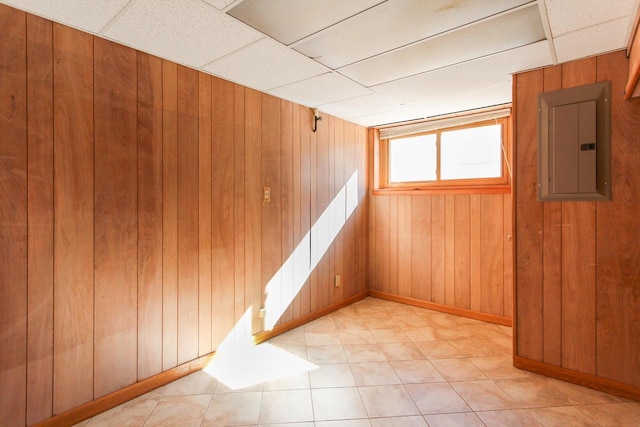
(205, 118)
(187, 214)
(116, 216)
(382, 254)
(223, 213)
(286, 205)
(323, 198)
(393, 245)
(618, 254)
(462, 256)
(13, 216)
(305, 197)
(528, 217)
(243, 325)
(404, 246)
(169, 215)
(449, 249)
(438, 249)
(552, 257)
(253, 206)
(271, 240)
(475, 252)
(296, 200)
(507, 256)
(578, 258)
(421, 247)
(149, 215)
(74, 218)
(492, 235)
(40, 219)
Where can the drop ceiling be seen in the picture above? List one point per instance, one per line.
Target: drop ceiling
(372, 62)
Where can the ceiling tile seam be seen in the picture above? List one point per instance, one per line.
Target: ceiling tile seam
(233, 51)
(363, 96)
(117, 16)
(544, 16)
(299, 81)
(230, 6)
(577, 30)
(441, 34)
(468, 61)
(325, 29)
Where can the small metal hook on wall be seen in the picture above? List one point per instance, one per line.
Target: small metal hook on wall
(316, 118)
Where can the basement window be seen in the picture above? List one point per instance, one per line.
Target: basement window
(461, 157)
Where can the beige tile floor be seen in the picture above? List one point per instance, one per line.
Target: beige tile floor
(376, 364)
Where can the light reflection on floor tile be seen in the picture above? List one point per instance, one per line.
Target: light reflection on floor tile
(378, 363)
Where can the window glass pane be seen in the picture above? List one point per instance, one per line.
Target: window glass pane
(413, 159)
(471, 153)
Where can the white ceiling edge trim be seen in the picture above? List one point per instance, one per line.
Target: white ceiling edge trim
(404, 130)
(544, 17)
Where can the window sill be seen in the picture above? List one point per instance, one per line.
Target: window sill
(453, 189)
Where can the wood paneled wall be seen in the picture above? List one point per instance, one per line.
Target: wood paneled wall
(578, 263)
(133, 235)
(451, 250)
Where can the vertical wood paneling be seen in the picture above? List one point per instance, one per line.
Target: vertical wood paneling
(187, 214)
(462, 261)
(169, 215)
(372, 141)
(222, 207)
(13, 216)
(618, 256)
(507, 256)
(149, 215)
(253, 206)
(204, 213)
(492, 234)
(323, 189)
(449, 249)
(74, 224)
(421, 247)
(243, 325)
(134, 214)
(438, 247)
(271, 211)
(287, 196)
(74, 218)
(40, 219)
(475, 253)
(529, 219)
(578, 259)
(382, 252)
(393, 245)
(338, 163)
(116, 217)
(404, 246)
(306, 192)
(552, 258)
(314, 212)
(296, 195)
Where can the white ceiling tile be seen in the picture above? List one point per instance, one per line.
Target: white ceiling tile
(279, 65)
(190, 32)
(571, 15)
(324, 89)
(590, 41)
(89, 15)
(290, 20)
(392, 24)
(523, 25)
(496, 93)
(387, 117)
(440, 84)
(360, 106)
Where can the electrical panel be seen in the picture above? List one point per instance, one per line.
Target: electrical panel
(574, 143)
